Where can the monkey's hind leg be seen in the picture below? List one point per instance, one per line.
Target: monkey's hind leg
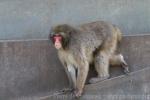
(101, 62)
(118, 59)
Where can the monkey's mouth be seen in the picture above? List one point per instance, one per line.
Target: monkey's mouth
(57, 46)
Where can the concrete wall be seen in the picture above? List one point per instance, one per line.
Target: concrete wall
(32, 19)
(31, 68)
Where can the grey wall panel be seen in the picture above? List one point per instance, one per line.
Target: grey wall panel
(31, 68)
(32, 19)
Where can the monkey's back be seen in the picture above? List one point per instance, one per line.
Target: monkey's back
(95, 34)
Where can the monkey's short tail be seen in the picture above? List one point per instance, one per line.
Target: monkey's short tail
(119, 38)
(119, 34)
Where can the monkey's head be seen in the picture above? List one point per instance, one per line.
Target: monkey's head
(60, 36)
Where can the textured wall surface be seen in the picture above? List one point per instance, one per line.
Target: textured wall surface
(32, 19)
(30, 68)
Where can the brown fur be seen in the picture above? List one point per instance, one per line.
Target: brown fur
(92, 42)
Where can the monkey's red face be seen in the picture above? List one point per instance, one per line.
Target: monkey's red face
(57, 40)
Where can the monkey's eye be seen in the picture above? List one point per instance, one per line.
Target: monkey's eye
(57, 38)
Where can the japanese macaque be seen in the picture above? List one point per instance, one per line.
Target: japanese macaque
(78, 47)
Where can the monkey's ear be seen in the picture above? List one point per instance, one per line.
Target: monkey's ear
(51, 34)
(50, 38)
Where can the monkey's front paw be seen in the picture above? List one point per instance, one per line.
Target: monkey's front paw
(98, 79)
(78, 93)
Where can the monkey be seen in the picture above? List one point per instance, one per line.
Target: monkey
(80, 46)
